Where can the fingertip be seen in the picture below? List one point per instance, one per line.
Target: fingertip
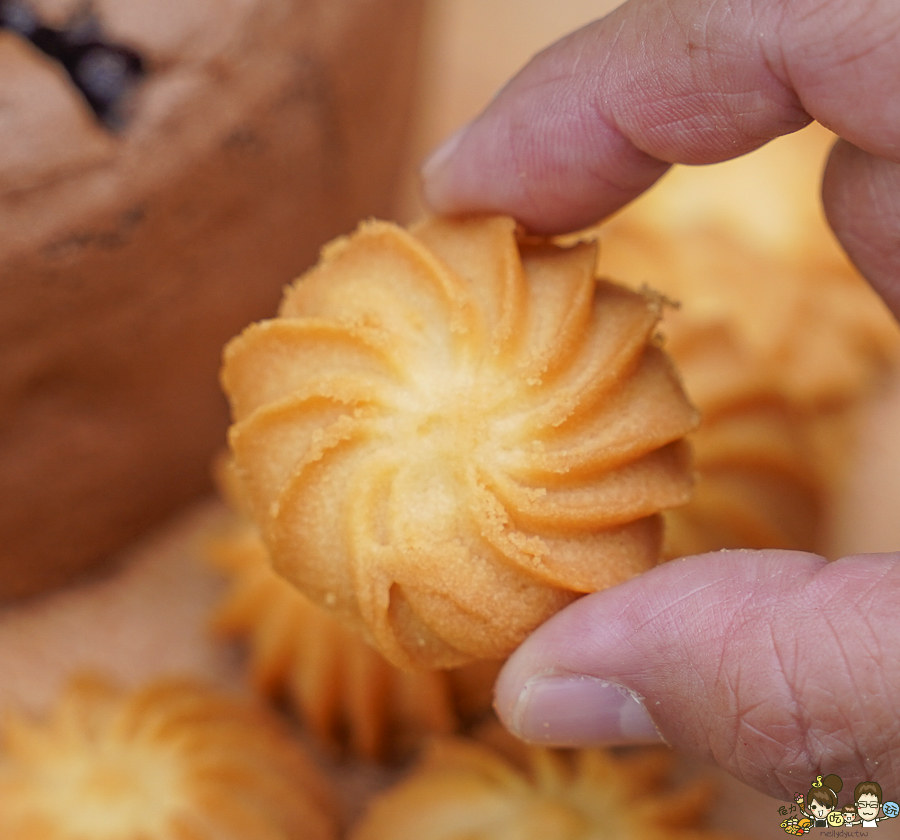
(540, 152)
(560, 688)
(861, 196)
(577, 710)
(732, 655)
(665, 657)
(436, 173)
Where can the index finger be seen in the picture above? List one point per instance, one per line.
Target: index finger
(595, 119)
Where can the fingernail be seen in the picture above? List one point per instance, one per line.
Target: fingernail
(436, 162)
(579, 710)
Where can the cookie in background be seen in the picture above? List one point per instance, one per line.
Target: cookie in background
(778, 340)
(496, 788)
(168, 761)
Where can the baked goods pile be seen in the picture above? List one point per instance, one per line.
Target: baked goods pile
(420, 388)
(576, 405)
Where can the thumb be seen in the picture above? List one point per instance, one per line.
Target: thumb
(775, 664)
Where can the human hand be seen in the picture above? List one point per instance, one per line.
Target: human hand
(773, 663)
(598, 117)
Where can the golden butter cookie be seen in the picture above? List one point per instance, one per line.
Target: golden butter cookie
(450, 433)
(760, 482)
(465, 790)
(171, 761)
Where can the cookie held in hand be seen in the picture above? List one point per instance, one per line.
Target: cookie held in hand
(450, 433)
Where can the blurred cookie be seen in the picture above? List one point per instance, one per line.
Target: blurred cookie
(343, 689)
(465, 789)
(347, 694)
(170, 761)
(759, 481)
(778, 340)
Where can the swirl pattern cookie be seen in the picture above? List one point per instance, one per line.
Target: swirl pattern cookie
(465, 790)
(172, 761)
(448, 434)
(759, 480)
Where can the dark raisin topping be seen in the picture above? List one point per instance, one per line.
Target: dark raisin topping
(104, 73)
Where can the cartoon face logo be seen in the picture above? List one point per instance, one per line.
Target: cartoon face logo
(867, 806)
(820, 806)
(819, 810)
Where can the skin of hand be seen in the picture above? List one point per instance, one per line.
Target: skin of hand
(773, 663)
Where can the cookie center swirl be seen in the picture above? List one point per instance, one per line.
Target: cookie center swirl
(439, 444)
